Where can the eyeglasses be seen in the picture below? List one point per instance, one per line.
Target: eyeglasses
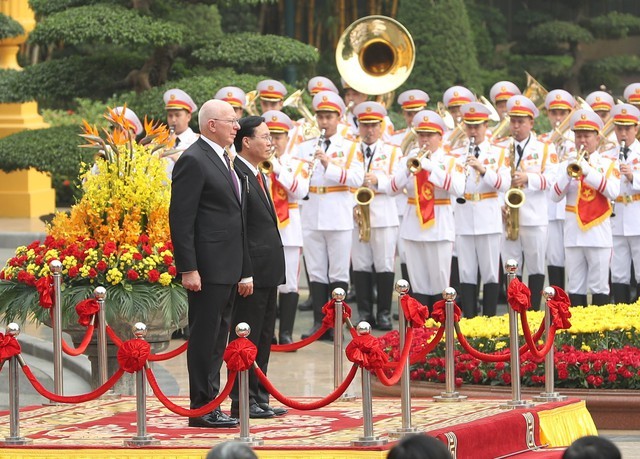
(266, 137)
(233, 121)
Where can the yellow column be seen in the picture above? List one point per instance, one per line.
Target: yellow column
(22, 193)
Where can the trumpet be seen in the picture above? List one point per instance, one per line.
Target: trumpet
(414, 164)
(266, 166)
(573, 169)
(472, 147)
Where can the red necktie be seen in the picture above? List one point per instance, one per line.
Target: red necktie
(261, 182)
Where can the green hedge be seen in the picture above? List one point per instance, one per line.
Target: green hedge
(54, 150)
(9, 27)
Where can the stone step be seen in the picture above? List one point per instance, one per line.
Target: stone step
(13, 239)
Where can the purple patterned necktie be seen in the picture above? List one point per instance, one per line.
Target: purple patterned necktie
(231, 177)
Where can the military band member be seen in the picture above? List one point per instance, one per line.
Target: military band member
(479, 219)
(235, 97)
(427, 227)
(626, 223)
(601, 102)
(179, 106)
(500, 93)
(411, 101)
(535, 170)
(378, 253)
(288, 182)
(632, 94)
(327, 216)
(559, 104)
(594, 182)
(352, 98)
(320, 83)
(271, 94)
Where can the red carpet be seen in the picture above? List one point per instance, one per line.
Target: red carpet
(479, 428)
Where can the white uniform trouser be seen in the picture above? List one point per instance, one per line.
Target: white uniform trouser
(292, 269)
(587, 269)
(555, 243)
(429, 265)
(400, 244)
(625, 249)
(532, 243)
(481, 251)
(379, 252)
(327, 254)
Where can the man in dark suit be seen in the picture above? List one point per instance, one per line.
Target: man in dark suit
(207, 230)
(253, 144)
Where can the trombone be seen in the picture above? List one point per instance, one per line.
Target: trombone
(414, 164)
(310, 126)
(472, 147)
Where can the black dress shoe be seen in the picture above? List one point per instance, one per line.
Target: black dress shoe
(285, 338)
(383, 322)
(274, 340)
(311, 331)
(215, 420)
(276, 411)
(255, 412)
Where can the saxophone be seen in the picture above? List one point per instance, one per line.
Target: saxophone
(361, 214)
(514, 199)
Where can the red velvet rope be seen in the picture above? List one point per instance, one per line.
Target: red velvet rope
(302, 343)
(192, 413)
(88, 334)
(71, 398)
(415, 312)
(169, 355)
(114, 337)
(493, 357)
(397, 374)
(332, 397)
(9, 347)
(430, 346)
(532, 348)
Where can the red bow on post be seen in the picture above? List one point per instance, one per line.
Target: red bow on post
(365, 351)
(439, 313)
(133, 354)
(45, 290)
(518, 296)
(86, 309)
(415, 312)
(9, 347)
(240, 354)
(559, 309)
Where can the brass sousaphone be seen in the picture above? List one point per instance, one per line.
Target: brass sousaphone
(374, 56)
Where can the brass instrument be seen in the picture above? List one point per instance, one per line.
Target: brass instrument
(364, 195)
(573, 169)
(414, 164)
(493, 113)
(457, 137)
(375, 55)
(535, 91)
(250, 103)
(409, 142)
(310, 128)
(514, 199)
(446, 116)
(266, 166)
(472, 147)
(501, 129)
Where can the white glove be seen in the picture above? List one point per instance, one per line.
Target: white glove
(586, 168)
(277, 167)
(426, 164)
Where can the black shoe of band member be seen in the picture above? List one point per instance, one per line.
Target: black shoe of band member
(276, 411)
(255, 412)
(214, 420)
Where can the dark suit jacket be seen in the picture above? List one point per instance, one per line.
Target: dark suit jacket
(263, 238)
(206, 218)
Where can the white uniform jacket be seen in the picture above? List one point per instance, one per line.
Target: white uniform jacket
(330, 203)
(540, 162)
(481, 213)
(293, 175)
(447, 176)
(627, 208)
(564, 150)
(604, 177)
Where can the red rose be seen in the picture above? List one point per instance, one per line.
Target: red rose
(137, 256)
(109, 248)
(146, 249)
(143, 239)
(90, 243)
(591, 379)
(2, 274)
(101, 266)
(154, 275)
(506, 378)
(93, 273)
(73, 271)
(562, 373)
(132, 275)
(172, 271)
(168, 260)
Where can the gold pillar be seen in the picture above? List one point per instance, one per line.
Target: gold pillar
(23, 193)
